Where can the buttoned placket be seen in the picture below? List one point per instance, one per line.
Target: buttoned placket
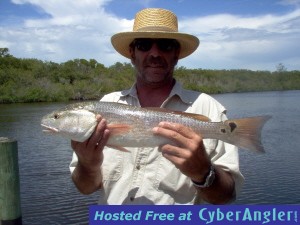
(139, 170)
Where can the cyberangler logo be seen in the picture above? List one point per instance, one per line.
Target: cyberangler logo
(247, 215)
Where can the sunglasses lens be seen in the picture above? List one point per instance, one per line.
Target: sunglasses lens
(165, 45)
(143, 44)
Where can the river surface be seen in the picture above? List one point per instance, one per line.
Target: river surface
(48, 195)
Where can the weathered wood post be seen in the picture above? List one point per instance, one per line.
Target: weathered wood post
(10, 203)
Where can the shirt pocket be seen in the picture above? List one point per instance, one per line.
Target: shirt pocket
(210, 146)
(171, 181)
(166, 174)
(112, 166)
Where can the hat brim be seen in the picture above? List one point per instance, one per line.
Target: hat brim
(188, 43)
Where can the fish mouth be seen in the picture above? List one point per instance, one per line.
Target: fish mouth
(48, 129)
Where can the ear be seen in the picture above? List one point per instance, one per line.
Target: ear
(177, 52)
(175, 60)
(132, 54)
(176, 56)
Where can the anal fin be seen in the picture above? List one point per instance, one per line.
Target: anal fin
(120, 148)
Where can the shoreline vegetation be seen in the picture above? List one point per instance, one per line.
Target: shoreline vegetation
(33, 80)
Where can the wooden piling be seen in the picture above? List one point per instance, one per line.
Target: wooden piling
(10, 203)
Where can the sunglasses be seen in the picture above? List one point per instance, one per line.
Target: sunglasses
(163, 44)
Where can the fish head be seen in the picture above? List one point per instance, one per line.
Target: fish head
(76, 124)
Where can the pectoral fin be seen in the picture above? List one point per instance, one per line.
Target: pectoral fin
(116, 129)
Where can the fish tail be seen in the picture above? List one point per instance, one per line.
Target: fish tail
(246, 132)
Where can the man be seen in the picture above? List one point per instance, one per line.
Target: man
(193, 171)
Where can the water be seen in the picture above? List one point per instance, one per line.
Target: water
(48, 195)
(271, 178)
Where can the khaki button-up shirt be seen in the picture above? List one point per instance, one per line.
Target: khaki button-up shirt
(144, 176)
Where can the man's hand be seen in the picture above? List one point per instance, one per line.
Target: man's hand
(189, 156)
(87, 174)
(89, 152)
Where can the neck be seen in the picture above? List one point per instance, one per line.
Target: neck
(153, 96)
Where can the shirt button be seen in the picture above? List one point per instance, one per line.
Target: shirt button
(138, 167)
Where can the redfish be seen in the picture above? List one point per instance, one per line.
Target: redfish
(132, 126)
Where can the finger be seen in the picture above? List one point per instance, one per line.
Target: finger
(179, 128)
(76, 146)
(104, 140)
(98, 118)
(172, 135)
(175, 151)
(98, 133)
(173, 158)
(73, 144)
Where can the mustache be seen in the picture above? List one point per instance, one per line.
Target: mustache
(155, 61)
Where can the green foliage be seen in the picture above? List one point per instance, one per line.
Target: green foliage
(32, 80)
(4, 52)
(228, 81)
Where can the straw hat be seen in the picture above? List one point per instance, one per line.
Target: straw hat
(155, 23)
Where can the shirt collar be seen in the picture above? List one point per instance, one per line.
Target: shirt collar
(179, 91)
(176, 91)
(130, 92)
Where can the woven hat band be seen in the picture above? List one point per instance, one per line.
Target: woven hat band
(154, 28)
(155, 20)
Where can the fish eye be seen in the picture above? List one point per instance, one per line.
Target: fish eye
(56, 116)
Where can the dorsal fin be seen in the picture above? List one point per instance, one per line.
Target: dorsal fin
(191, 115)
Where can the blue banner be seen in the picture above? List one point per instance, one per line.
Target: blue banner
(196, 214)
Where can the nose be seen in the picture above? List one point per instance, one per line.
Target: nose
(154, 51)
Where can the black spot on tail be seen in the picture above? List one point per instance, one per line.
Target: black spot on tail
(232, 126)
